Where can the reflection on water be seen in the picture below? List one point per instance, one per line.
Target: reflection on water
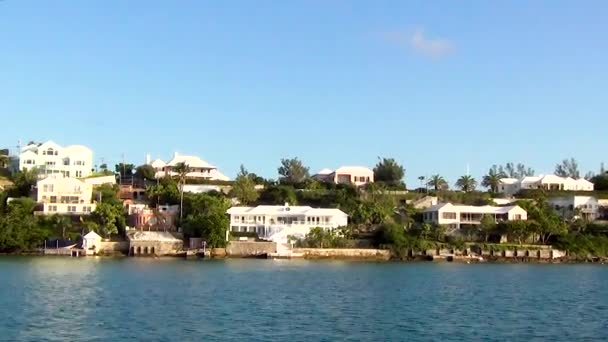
(94, 299)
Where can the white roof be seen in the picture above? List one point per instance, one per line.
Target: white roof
(552, 179)
(92, 235)
(354, 169)
(157, 164)
(285, 210)
(325, 172)
(509, 180)
(191, 161)
(583, 181)
(486, 209)
(530, 179)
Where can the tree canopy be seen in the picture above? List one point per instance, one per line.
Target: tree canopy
(243, 188)
(292, 171)
(145, 172)
(205, 216)
(124, 169)
(568, 168)
(492, 179)
(466, 183)
(437, 182)
(390, 172)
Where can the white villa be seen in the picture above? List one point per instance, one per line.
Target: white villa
(276, 222)
(511, 186)
(453, 216)
(356, 175)
(585, 207)
(70, 161)
(198, 168)
(63, 195)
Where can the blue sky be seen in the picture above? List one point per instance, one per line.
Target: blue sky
(436, 85)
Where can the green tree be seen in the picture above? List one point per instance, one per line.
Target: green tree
(390, 172)
(166, 191)
(518, 230)
(145, 172)
(466, 183)
(23, 182)
(492, 179)
(108, 217)
(568, 168)
(206, 217)
(437, 182)
(292, 171)
(125, 170)
(439, 231)
(182, 170)
(600, 181)
(516, 171)
(19, 228)
(243, 188)
(278, 195)
(487, 226)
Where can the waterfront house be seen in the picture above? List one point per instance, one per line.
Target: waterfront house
(454, 216)
(572, 207)
(511, 186)
(199, 169)
(277, 222)
(50, 159)
(91, 243)
(356, 175)
(153, 243)
(64, 195)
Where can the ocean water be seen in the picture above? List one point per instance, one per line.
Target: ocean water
(100, 299)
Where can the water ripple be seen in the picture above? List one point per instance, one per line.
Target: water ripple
(64, 299)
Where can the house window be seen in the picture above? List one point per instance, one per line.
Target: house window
(448, 216)
(86, 209)
(53, 208)
(71, 208)
(78, 174)
(66, 162)
(517, 217)
(47, 188)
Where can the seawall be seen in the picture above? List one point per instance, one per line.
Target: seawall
(344, 253)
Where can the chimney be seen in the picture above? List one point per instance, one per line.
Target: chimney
(148, 159)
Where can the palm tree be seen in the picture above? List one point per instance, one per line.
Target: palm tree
(182, 170)
(466, 183)
(437, 182)
(492, 179)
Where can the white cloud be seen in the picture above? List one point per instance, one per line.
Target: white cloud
(418, 42)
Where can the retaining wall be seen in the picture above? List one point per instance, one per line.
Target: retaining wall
(344, 253)
(250, 248)
(113, 247)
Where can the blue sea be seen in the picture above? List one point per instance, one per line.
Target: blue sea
(105, 299)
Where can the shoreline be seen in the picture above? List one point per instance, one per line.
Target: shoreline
(418, 259)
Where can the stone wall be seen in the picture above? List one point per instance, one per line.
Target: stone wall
(250, 248)
(113, 247)
(344, 253)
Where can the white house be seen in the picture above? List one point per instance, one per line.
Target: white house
(511, 186)
(64, 195)
(50, 158)
(585, 207)
(91, 243)
(356, 175)
(199, 168)
(276, 222)
(453, 216)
